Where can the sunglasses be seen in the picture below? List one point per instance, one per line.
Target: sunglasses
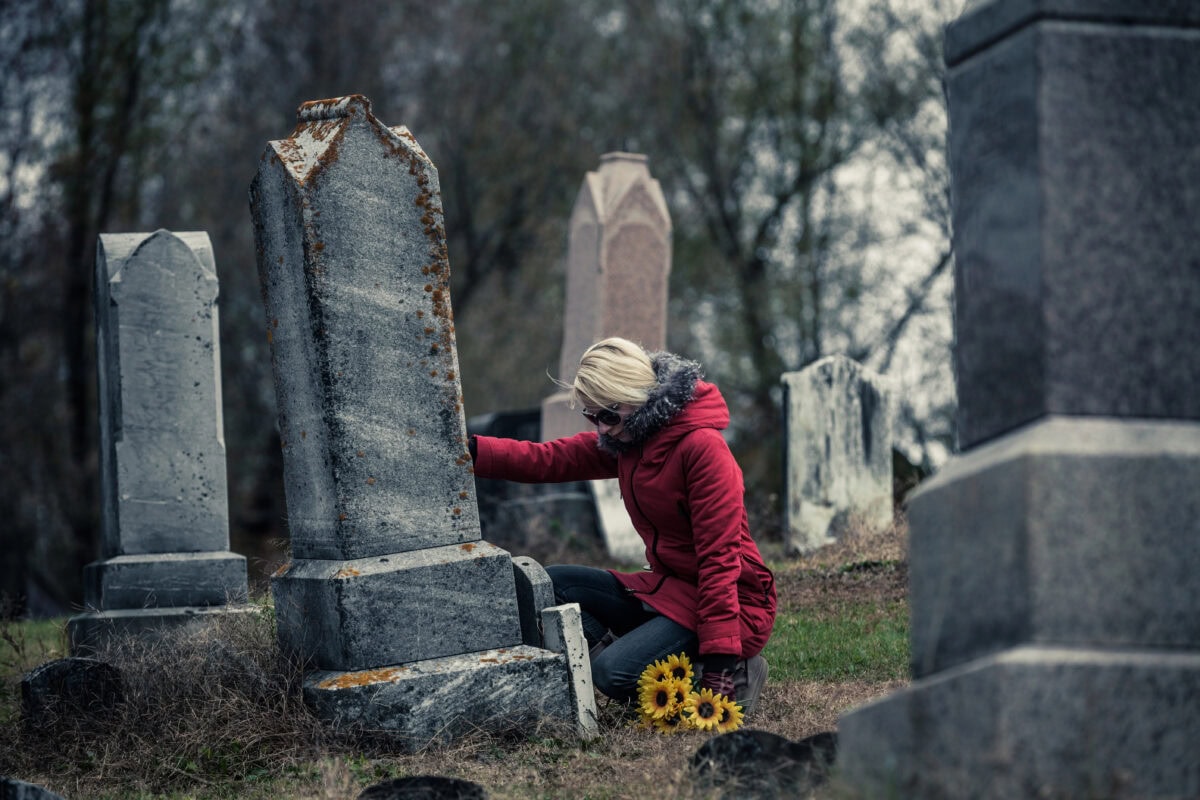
(605, 416)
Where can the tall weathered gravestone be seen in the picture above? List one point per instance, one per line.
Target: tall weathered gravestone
(838, 421)
(1055, 599)
(618, 263)
(410, 622)
(164, 505)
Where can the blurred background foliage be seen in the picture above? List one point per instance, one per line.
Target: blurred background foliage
(800, 144)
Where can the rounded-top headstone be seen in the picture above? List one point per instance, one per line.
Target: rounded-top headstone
(77, 689)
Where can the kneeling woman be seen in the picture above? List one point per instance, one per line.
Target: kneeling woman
(706, 591)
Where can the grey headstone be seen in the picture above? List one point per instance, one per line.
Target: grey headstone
(162, 459)
(164, 505)
(1055, 643)
(356, 280)
(838, 421)
(1074, 166)
(411, 619)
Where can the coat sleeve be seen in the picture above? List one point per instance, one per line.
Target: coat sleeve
(715, 491)
(574, 458)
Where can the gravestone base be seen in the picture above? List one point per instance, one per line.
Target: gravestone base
(1082, 531)
(1034, 721)
(335, 614)
(166, 579)
(438, 700)
(92, 631)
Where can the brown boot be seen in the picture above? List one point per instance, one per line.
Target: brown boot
(749, 676)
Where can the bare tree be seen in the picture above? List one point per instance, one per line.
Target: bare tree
(764, 111)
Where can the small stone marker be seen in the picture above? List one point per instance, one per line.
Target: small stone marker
(73, 690)
(758, 764)
(409, 620)
(164, 505)
(424, 787)
(838, 421)
(1053, 585)
(618, 264)
(13, 789)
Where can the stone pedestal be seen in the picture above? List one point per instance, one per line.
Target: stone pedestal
(1055, 611)
(164, 505)
(838, 421)
(412, 620)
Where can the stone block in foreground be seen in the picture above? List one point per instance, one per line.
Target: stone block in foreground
(438, 700)
(1034, 722)
(1072, 531)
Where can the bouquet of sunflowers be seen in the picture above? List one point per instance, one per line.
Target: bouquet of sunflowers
(668, 702)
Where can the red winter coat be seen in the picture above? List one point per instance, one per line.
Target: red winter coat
(684, 493)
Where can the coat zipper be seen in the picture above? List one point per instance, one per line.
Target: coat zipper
(650, 522)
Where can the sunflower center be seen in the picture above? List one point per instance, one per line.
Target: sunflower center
(706, 710)
(662, 698)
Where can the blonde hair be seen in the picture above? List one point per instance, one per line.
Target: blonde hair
(613, 371)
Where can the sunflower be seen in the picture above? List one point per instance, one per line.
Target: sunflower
(662, 699)
(729, 714)
(652, 674)
(703, 709)
(681, 667)
(668, 724)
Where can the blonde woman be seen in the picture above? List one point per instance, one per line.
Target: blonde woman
(706, 590)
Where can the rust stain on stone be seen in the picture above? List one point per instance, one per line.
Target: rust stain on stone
(346, 572)
(282, 569)
(466, 548)
(350, 680)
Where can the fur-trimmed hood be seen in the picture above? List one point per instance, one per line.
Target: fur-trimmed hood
(673, 401)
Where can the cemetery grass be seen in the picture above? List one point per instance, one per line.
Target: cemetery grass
(220, 717)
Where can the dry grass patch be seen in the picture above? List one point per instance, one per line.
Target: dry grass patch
(217, 714)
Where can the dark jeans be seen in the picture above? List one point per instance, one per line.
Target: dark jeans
(646, 635)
